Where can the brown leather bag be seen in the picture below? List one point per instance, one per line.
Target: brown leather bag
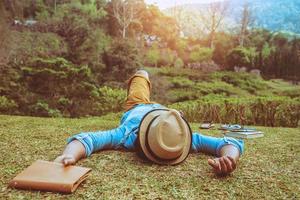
(50, 176)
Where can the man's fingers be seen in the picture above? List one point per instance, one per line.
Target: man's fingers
(212, 163)
(68, 161)
(58, 159)
(233, 162)
(65, 162)
(215, 164)
(223, 165)
(228, 164)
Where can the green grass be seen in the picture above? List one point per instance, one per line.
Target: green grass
(269, 169)
(177, 85)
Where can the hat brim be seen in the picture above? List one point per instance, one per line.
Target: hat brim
(142, 139)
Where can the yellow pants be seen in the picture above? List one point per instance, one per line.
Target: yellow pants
(138, 91)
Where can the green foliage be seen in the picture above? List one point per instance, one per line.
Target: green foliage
(245, 81)
(290, 92)
(184, 89)
(64, 87)
(90, 50)
(181, 82)
(108, 100)
(268, 111)
(7, 105)
(201, 54)
(267, 51)
(35, 44)
(182, 95)
(167, 57)
(161, 57)
(220, 88)
(121, 60)
(42, 108)
(242, 57)
(170, 71)
(152, 56)
(59, 66)
(156, 23)
(223, 44)
(178, 63)
(52, 76)
(94, 11)
(181, 46)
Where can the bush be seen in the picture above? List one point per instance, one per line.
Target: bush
(54, 76)
(291, 92)
(36, 44)
(7, 106)
(181, 82)
(241, 57)
(219, 87)
(268, 111)
(108, 100)
(180, 95)
(121, 60)
(249, 82)
(152, 56)
(184, 72)
(41, 108)
(178, 63)
(201, 54)
(167, 57)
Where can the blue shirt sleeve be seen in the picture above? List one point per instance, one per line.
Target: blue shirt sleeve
(213, 145)
(100, 140)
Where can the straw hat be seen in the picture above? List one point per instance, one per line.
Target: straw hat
(164, 137)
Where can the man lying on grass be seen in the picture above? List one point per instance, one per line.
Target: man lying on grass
(159, 134)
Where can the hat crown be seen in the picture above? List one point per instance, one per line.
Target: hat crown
(164, 137)
(167, 135)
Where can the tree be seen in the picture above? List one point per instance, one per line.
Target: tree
(125, 12)
(224, 43)
(213, 18)
(242, 57)
(177, 12)
(4, 34)
(121, 60)
(246, 20)
(163, 27)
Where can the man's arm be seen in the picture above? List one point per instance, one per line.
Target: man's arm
(84, 144)
(227, 151)
(228, 160)
(73, 152)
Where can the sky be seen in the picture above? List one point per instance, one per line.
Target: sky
(162, 4)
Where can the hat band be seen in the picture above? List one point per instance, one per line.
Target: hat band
(148, 146)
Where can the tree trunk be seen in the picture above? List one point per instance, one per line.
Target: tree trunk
(124, 32)
(55, 6)
(211, 39)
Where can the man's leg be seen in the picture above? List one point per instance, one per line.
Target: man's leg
(139, 87)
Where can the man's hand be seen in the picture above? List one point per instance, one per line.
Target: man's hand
(223, 165)
(65, 160)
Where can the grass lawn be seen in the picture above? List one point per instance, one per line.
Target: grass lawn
(269, 169)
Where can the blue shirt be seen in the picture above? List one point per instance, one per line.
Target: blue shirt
(125, 135)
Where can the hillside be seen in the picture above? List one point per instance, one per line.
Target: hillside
(227, 97)
(274, 15)
(74, 61)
